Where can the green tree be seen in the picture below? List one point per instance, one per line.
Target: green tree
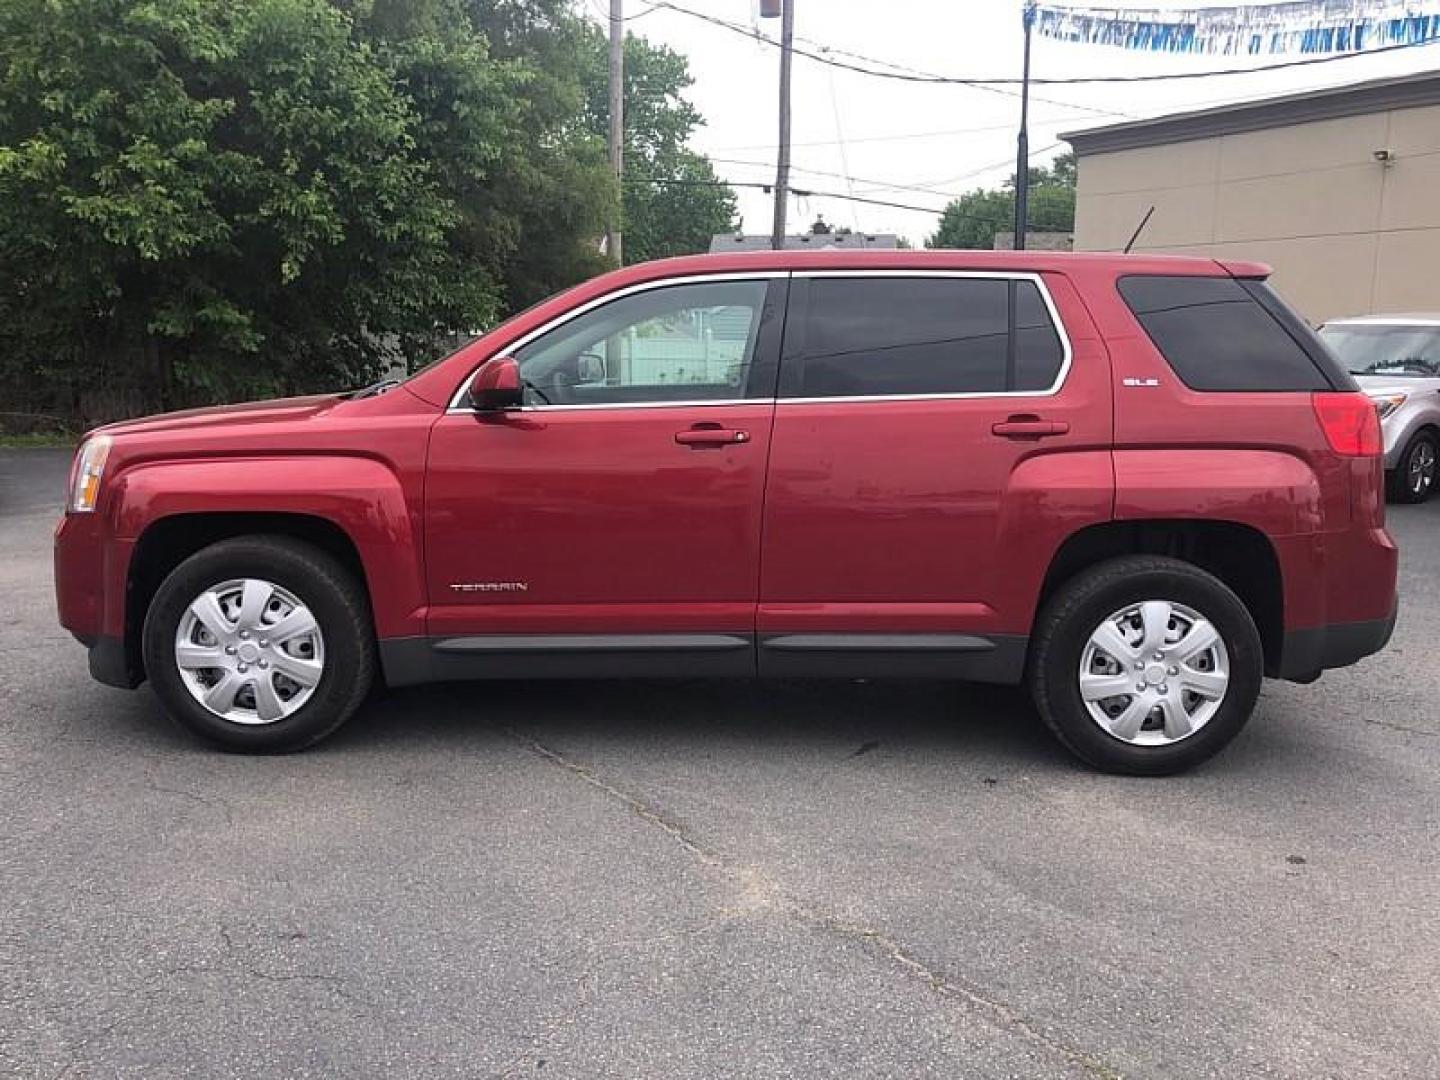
(972, 220)
(542, 206)
(660, 218)
(208, 199)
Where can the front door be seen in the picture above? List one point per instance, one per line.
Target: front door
(936, 436)
(612, 523)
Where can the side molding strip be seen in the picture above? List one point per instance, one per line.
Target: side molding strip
(999, 658)
(569, 643)
(878, 642)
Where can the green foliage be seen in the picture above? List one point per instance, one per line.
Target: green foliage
(972, 220)
(660, 219)
(187, 188)
(209, 199)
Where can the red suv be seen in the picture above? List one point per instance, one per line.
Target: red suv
(1136, 484)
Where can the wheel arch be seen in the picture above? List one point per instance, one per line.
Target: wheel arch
(1397, 479)
(1240, 555)
(1429, 427)
(168, 541)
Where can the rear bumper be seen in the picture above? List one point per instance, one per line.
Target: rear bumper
(1306, 653)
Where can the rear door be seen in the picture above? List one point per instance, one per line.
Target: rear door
(936, 436)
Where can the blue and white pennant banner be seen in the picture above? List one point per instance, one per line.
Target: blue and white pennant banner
(1296, 26)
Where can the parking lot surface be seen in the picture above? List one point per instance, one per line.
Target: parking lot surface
(708, 879)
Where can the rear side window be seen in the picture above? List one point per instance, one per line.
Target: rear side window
(889, 336)
(1217, 334)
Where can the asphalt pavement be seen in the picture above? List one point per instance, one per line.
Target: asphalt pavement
(710, 880)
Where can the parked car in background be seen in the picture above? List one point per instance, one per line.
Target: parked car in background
(1396, 360)
(1137, 485)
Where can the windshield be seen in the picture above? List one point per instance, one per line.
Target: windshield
(1412, 351)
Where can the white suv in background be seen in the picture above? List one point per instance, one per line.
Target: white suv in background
(1396, 360)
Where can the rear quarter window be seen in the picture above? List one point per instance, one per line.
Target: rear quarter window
(1218, 334)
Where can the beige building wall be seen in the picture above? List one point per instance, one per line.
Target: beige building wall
(1346, 234)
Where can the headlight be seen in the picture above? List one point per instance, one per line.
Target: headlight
(85, 476)
(1386, 404)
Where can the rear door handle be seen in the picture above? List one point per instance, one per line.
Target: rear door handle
(1029, 427)
(711, 436)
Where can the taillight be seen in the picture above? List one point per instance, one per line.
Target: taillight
(1351, 424)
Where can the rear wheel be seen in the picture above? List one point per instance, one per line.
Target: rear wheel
(1413, 479)
(260, 644)
(1146, 665)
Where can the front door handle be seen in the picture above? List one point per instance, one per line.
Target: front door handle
(711, 436)
(1029, 427)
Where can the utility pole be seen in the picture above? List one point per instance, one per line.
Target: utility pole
(1022, 163)
(613, 239)
(782, 167)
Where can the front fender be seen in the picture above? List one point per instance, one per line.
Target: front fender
(360, 496)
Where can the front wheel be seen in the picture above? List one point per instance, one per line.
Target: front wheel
(1414, 478)
(260, 644)
(1145, 665)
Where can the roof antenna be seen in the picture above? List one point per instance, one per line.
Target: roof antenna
(1139, 229)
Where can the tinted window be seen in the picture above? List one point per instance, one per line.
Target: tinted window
(1038, 353)
(915, 335)
(1217, 336)
(680, 343)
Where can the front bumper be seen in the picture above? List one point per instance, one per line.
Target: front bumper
(91, 579)
(1308, 652)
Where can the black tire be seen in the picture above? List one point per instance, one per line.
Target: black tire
(1404, 485)
(1078, 608)
(338, 603)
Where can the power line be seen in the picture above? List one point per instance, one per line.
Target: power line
(604, 16)
(1007, 160)
(885, 185)
(1008, 125)
(880, 138)
(900, 73)
(806, 193)
(880, 185)
(906, 74)
(844, 154)
(798, 192)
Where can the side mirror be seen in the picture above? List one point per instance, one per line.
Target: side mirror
(590, 368)
(496, 385)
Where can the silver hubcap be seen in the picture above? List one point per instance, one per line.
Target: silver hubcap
(249, 651)
(1154, 673)
(1422, 468)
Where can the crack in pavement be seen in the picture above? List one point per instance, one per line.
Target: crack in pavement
(1400, 727)
(212, 803)
(769, 894)
(338, 983)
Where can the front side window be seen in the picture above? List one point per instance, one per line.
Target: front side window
(693, 342)
(898, 336)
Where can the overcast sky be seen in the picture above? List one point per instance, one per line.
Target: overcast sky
(890, 137)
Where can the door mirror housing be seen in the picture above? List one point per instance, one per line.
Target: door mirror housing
(590, 369)
(496, 386)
